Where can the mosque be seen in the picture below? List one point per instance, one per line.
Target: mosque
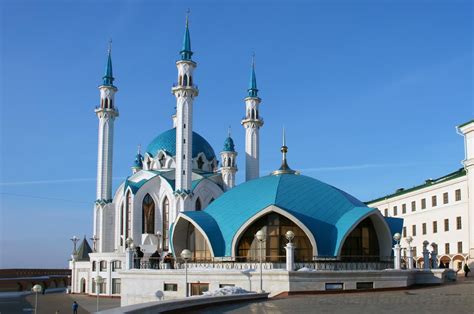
(181, 195)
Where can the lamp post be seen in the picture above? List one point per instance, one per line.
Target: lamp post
(98, 281)
(36, 289)
(409, 239)
(186, 255)
(396, 250)
(94, 240)
(74, 240)
(260, 236)
(290, 250)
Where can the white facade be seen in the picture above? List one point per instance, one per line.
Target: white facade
(439, 211)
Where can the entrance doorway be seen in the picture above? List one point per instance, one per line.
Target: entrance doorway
(83, 285)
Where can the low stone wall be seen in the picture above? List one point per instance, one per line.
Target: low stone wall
(140, 286)
(183, 304)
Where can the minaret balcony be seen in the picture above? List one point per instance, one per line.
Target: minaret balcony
(258, 121)
(191, 88)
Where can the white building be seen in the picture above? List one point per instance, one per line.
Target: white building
(439, 210)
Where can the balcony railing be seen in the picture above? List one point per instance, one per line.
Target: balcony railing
(272, 262)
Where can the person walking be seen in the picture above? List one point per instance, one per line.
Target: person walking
(466, 269)
(75, 306)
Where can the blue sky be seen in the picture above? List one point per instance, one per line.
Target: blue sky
(369, 92)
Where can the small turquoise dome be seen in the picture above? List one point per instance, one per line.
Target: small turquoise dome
(138, 163)
(229, 145)
(167, 141)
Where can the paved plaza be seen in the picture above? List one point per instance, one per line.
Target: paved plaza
(449, 298)
(455, 297)
(51, 303)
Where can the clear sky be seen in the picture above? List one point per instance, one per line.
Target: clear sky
(369, 92)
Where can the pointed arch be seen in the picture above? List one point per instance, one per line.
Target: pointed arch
(165, 219)
(128, 214)
(185, 80)
(148, 214)
(198, 205)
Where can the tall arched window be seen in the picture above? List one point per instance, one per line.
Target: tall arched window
(166, 217)
(185, 80)
(362, 243)
(148, 215)
(121, 225)
(198, 204)
(200, 163)
(275, 227)
(128, 216)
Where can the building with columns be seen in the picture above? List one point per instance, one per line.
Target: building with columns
(439, 210)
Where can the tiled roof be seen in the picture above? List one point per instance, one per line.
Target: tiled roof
(166, 141)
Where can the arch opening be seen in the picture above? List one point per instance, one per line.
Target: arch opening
(274, 226)
(187, 236)
(148, 215)
(362, 243)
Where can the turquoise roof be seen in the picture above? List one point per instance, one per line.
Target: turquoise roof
(186, 52)
(229, 145)
(108, 78)
(166, 141)
(326, 211)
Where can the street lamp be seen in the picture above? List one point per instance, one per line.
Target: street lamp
(260, 236)
(98, 281)
(94, 240)
(290, 235)
(186, 255)
(36, 289)
(74, 240)
(397, 236)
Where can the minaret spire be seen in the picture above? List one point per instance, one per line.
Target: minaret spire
(108, 76)
(186, 52)
(253, 91)
(284, 168)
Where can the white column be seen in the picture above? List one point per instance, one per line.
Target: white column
(410, 257)
(397, 256)
(128, 258)
(290, 256)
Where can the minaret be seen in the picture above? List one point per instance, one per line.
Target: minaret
(106, 113)
(252, 123)
(228, 161)
(185, 91)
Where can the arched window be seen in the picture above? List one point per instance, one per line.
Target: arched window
(200, 163)
(93, 265)
(121, 225)
(180, 80)
(361, 243)
(162, 161)
(198, 204)
(190, 80)
(197, 244)
(148, 215)
(111, 104)
(275, 227)
(166, 217)
(185, 80)
(128, 215)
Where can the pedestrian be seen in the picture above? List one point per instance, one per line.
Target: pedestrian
(466, 270)
(75, 306)
(155, 260)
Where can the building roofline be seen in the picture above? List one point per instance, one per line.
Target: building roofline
(466, 123)
(453, 175)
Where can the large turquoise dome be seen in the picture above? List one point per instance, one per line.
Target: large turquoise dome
(166, 141)
(326, 211)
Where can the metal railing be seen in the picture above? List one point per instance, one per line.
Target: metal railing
(332, 263)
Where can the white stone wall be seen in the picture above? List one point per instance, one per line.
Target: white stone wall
(439, 213)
